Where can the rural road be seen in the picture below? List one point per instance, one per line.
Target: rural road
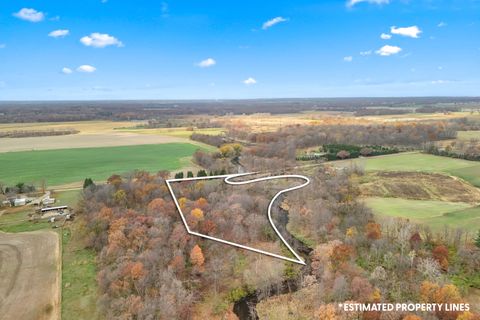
(29, 282)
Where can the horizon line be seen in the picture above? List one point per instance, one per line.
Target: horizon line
(247, 99)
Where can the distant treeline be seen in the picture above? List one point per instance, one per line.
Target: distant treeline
(201, 123)
(435, 109)
(346, 151)
(21, 112)
(468, 150)
(283, 144)
(36, 133)
(213, 140)
(381, 111)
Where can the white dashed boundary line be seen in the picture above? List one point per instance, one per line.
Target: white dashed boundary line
(227, 180)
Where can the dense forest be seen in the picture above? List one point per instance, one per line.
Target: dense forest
(150, 268)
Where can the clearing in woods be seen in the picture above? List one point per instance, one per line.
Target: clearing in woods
(416, 161)
(435, 214)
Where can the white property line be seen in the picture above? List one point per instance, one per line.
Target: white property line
(227, 180)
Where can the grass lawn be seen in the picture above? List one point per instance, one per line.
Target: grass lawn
(435, 214)
(72, 165)
(67, 198)
(467, 219)
(18, 222)
(79, 287)
(415, 161)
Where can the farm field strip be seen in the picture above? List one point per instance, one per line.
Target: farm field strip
(83, 141)
(181, 132)
(29, 286)
(96, 126)
(64, 166)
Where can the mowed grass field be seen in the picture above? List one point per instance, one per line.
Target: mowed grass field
(435, 214)
(64, 166)
(421, 162)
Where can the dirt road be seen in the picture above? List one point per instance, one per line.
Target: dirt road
(30, 275)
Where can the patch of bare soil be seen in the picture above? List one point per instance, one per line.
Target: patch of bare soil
(418, 186)
(30, 275)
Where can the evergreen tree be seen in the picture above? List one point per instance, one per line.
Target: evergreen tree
(179, 175)
(201, 173)
(87, 183)
(477, 241)
(189, 174)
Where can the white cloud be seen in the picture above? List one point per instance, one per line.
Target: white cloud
(388, 50)
(249, 81)
(351, 3)
(272, 22)
(366, 53)
(59, 33)
(440, 81)
(411, 32)
(441, 24)
(100, 40)
(29, 14)
(3, 45)
(66, 70)
(209, 62)
(86, 68)
(348, 59)
(385, 36)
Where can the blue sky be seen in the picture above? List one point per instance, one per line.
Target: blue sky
(116, 49)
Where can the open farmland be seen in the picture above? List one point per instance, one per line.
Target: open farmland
(92, 134)
(420, 162)
(81, 126)
(175, 132)
(72, 165)
(82, 141)
(29, 265)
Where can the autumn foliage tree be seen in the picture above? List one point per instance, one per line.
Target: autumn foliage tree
(197, 258)
(440, 253)
(197, 213)
(340, 255)
(373, 231)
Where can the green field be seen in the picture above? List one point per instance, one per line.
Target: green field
(415, 161)
(79, 286)
(435, 214)
(19, 222)
(72, 165)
